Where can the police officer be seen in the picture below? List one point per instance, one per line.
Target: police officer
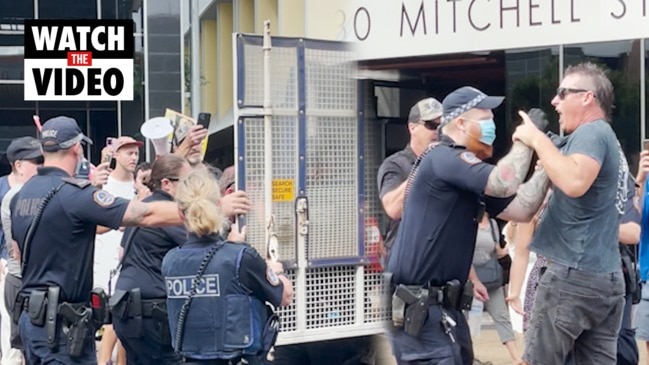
(446, 195)
(423, 121)
(216, 289)
(54, 220)
(139, 302)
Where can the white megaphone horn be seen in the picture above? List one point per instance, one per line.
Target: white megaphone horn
(158, 130)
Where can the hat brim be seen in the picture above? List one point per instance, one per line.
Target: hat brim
(490, 102)
(32, 155)
(134, 143)
(85, 139)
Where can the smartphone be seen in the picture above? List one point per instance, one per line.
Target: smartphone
(113, 163)
(204, 119)
(109, 142)
(645, 144)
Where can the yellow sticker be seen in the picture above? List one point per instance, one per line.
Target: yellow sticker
(283, 190)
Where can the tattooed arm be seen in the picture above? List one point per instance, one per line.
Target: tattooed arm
(151, 214)
(528, 199)
(510, 171)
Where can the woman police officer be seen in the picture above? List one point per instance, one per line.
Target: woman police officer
(139, 302)
(216, 289)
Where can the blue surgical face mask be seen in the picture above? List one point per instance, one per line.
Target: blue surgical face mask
(488, 128)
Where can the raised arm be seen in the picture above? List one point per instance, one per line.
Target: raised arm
(573, 174)
(528, 200)
(510, 172)
(151, 214)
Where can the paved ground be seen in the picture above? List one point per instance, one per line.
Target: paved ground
(487, 347)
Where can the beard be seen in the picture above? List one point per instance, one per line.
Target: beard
(482, 150)
(195, 159)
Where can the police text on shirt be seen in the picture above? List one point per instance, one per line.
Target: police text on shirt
(181, 286)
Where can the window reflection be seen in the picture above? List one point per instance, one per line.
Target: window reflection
(622, 60)
(67, 9)
(532, 78)
(11, 57)
(13, 14)
(124, 9)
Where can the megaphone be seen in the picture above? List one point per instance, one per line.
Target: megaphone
(157, 130)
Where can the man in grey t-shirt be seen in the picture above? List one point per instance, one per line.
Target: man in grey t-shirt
(580, 298)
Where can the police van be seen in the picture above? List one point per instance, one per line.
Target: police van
(308, 158)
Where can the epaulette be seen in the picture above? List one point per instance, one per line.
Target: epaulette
(81, 184)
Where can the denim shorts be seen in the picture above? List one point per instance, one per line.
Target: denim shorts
(575, 311)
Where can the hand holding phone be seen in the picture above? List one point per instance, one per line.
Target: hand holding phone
(108, 153)
(204, 119)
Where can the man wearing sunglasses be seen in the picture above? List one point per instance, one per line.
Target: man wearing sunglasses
(580, 298)
(423, 120)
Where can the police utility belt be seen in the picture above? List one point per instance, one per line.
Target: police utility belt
(43, 306)
(45, 310)
(410, 303)
(128, 304)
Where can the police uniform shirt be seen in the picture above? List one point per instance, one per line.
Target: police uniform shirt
(392, 173)
(142, 264)
(253, 273)
(438, 227)
(61, 251)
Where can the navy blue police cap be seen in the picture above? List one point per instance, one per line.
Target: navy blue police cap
(24, 148)
(466, 98)
(61, 133)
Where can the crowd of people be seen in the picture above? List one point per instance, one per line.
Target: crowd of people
(105, 259)
(138, 256)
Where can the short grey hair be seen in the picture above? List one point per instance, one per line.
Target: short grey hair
(599, 82)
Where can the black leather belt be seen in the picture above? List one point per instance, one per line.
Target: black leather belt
(76, 306)
(208, 362)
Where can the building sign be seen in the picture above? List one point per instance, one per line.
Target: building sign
(78, 60)
(406, 28)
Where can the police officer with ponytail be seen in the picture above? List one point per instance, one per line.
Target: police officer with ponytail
(139, 302)
(217, 290)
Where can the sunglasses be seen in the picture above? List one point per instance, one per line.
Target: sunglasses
(430, 124)
(563, 91)
(173, 179)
